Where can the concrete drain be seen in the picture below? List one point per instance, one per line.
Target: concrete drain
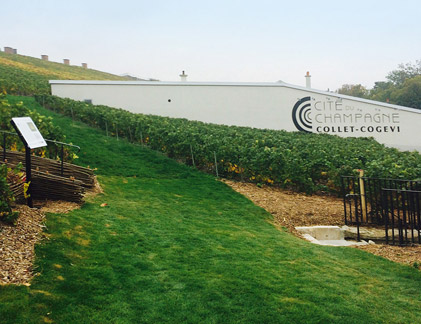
(328, 235)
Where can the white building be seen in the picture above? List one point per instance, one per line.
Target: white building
(277, 106)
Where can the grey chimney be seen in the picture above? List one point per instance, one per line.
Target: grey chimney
(9, 50)
(308, 80)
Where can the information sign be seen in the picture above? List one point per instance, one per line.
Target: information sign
(29, 132)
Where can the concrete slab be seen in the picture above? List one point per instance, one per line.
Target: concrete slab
(322, 232)
(326, 235)
(376, 234)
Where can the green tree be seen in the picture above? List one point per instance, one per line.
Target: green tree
(382, 91)
(409, 94)
(402, 88)
(354, 90)
(404, 72)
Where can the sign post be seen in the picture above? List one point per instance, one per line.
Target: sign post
(31, 138)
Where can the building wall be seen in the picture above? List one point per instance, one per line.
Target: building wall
(273, 106)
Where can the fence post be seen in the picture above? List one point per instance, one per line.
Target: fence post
(28, 176)
(385, 213)
(192, 157)
(130, 133)
(355, 196)
(4, 147)
(362, 195)
(216, 164)
(62, 160)
(344, 198)
(140, 133)
(400, 229)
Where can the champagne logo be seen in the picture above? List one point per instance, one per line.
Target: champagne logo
(301, 115)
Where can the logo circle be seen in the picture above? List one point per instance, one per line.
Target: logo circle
(301, 115)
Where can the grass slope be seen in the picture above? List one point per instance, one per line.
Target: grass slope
(175, 246)
(25, 75)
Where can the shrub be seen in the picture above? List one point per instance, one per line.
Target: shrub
(6, 197)
(301, 161)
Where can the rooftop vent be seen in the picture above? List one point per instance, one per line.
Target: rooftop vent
(183, 77)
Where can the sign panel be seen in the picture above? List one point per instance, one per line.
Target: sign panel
(339, 116)
(29, 132)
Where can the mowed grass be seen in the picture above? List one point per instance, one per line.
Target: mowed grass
(174, 245)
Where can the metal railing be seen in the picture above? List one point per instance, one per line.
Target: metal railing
(391, 203)
(56, 144)
(402, 212)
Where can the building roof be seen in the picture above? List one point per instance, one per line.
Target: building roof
(235, 84)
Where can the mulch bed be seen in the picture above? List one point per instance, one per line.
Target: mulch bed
(17, 242)
(291, 209)
(17, 246)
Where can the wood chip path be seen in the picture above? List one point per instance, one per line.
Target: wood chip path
(291, 209)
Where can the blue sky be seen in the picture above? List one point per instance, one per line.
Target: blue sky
(248, 41)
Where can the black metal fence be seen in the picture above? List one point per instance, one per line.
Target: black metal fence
(392, 203)
(402, 213)
(55, 149)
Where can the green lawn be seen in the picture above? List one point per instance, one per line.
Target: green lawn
(176, 246)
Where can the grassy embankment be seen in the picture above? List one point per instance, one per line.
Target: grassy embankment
(174, 245)
(25, 75)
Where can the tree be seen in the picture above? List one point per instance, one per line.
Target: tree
(354, 90)
(409, 94)
(404, 72)
(382, 91)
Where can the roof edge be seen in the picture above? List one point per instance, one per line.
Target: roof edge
(233, 84)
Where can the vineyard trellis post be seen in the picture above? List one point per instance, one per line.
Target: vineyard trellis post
(192, 156)
(216, 164)
(4, 147)
(130, 133)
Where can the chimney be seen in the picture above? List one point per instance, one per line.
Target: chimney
(85, 65)
(66, 61)
(44, 57)
(9, 50)
(183, 77)
(15, 51)
(308, 80)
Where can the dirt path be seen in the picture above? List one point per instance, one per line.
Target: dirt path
(291, 209)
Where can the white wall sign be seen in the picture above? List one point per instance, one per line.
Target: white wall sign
(278, 106)
(29, 132)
